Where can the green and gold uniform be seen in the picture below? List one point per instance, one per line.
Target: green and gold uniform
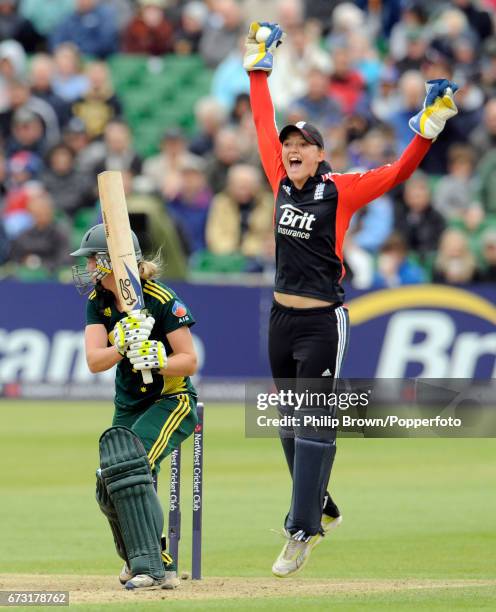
(163, 413)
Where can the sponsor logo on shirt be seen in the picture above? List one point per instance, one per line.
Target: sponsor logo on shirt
(287, 189)
(295, 222)
(319, 192)
(179, 310)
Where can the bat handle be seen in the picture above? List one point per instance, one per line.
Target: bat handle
(147, 376)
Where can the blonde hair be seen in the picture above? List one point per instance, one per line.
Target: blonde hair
(151, 268)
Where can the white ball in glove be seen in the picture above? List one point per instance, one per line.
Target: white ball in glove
(262, 34)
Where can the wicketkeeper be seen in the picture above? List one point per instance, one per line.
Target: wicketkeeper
(149, 420)
(309, 327)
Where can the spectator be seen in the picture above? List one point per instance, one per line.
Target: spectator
(149, 32)
(240, 217)
(16, 27)
(210, 117)
(455, 264)
(230, 78)
(189, 207)
(241, 109)
(46, 20)
(374, 149)
(466, 58)
(87, 154)
(27, 133)
(347, 86)
(221, 32)
(372, 225)
(316, 105)
(124, 11)
(227, 153)
(369, 229)
(188, 36)
(164, 169)
(486, 191)
(413, 19)
(454, 192)
(22, 168)
(386, 102)
(92, 27)
(99, 104)
(320, 11)
(70, 189)
(473, 222)
(365, 59)
(152, 224)
(69, 82)
(12, 66)
(346, 19)
(20, 97)
(417, 42)
(119, 153)
(483, 137)
(416, 219)
(296, 56)
(393, 266)
(488, 69)
(252, 9)
(488, 270)
(411, 92)
(450, 25)
(469, 99)
(479, 20)
(46, 243)
(41, 74)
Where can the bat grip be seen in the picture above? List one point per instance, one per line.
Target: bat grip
(147, 377)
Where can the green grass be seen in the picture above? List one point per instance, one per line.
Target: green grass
(413, 508)
(435, 601)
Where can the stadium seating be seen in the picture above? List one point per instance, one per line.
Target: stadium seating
(158, 93)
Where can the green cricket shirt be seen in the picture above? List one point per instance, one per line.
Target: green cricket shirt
(170, 313)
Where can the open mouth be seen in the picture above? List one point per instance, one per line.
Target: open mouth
(294, 163)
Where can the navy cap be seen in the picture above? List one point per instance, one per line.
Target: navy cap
(309, 132)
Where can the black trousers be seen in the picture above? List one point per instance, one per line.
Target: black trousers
(307, 342)
(306, 350)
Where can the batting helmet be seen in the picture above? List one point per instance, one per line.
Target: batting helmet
(94, 241)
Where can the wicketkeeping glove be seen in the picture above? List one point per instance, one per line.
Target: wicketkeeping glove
(439, 106)
(260, 55)
(147, 355)
(136, 327)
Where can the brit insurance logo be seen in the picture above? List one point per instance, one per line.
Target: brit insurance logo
(428, 331)
(295, 222)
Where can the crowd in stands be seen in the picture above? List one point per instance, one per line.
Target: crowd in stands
(355, 69)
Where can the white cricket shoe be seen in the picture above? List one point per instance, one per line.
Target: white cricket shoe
(171, 581)
(125, 574)
(295, 553)
(144, 581)
(328, 523)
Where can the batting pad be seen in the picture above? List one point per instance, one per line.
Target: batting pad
(126, 473)
(108, 508)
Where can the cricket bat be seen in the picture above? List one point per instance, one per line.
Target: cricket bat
(120, 246)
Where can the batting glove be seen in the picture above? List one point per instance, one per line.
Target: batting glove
(260, 55)
(439, 106)
(136, 327)
(147, 355)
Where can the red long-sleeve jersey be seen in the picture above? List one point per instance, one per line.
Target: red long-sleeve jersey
(310, 223)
